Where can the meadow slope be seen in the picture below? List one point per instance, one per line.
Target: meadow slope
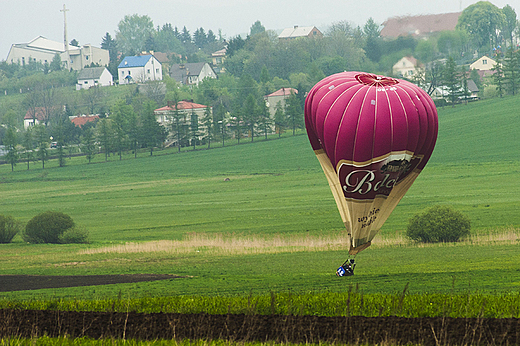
(269, 191)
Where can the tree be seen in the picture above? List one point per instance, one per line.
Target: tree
(10, 142)
(452, 42)
(105, 134)
(511, 71)
(251, 114)
(510, 23)
(167, 40)
(132, 33)
(88, 144)
(280, 120)
(194, 128)
(152, 133)
(482, 21)
(42, 140)
(498, 76)
(28, 145)
(208, 123)
(256, 28)
(56, 63)
(110, 44)
(294, 112)
(264, 118)
(450, 78)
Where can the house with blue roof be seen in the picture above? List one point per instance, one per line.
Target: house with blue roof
(139, 69)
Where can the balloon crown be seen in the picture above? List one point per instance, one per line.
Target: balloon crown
(373, 80)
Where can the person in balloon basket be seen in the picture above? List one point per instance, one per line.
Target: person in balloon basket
(347, 268)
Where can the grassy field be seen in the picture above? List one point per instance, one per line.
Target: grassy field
(259, 217)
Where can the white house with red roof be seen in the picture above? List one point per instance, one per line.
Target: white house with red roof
(185, 109)
(406, 67)
(279, 96)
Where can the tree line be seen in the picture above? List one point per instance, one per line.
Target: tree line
(255, 66)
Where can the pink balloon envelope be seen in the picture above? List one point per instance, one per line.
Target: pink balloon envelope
(372, 135)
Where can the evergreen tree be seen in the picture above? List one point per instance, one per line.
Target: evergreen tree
(208, 122)
(264, 119)
(88, 144)
(294, 112)
(105, 134)
(194, 128)
(451, 81)
(498, 76)
(511, 70)
(280, 120)
(250, 114)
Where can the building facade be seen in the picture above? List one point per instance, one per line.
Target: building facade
(139, 69)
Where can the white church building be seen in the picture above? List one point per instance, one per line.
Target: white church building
(43, 50)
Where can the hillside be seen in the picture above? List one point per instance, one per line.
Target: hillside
(271, 187)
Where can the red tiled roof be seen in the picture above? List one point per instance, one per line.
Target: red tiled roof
(283, 92)
(80, 121)
(181, 106)
(419, 25)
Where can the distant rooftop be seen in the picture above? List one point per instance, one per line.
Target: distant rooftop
(422, 25)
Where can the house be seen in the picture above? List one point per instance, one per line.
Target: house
(278, 97)
(34, 117)
(43, 50)
(406, 67)
(217, 59)
(139, 69)
(300, 31)
(419, 26)
(94, 76)
(40, 115)
(192, 73)
(442, 92)
(185, 109)
(483, 64)
(81, 120)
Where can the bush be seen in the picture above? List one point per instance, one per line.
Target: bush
(9, 227)
(76, 235)
(47, 227)
(438, 224)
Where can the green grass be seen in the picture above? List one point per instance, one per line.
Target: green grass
(275, 189)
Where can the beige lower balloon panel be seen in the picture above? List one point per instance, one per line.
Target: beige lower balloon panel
(363, 218)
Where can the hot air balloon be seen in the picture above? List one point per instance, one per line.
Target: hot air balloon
(373, 136)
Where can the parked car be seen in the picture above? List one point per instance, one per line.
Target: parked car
(54, 145)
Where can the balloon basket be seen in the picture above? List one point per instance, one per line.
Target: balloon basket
(347, 268)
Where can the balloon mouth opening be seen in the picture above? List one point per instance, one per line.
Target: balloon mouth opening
(377, 81)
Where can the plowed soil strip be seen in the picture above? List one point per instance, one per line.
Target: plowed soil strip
(354, 330)
(36, 282)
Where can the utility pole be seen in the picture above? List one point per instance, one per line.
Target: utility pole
(65, 40)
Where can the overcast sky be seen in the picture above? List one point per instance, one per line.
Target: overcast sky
(89, 20)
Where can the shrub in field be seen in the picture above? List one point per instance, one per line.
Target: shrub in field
(438, 224)
(75, 235)
(9, 227)
(47, 227)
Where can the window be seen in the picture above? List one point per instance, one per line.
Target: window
(86, 57)
(148, 71)
(156, 70)
(484, 62)
(123, 73)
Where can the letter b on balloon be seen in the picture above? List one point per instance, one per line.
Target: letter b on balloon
(372, 135)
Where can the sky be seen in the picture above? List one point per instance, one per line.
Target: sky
(88, 21)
